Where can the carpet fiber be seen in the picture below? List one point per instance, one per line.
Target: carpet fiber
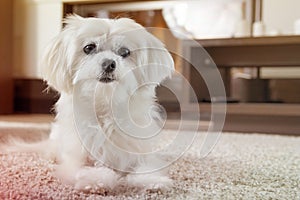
(241, 166)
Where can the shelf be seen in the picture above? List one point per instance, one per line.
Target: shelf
(261, 109)
(251, 41)
(93, 1)
(277, 51)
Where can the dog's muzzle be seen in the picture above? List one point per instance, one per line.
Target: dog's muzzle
(108, 67)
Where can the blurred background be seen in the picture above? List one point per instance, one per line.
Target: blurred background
(254, 43)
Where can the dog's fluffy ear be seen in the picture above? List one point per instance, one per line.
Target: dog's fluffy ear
(57, 61)
(72, 20)
(151, 54)
(157, 60)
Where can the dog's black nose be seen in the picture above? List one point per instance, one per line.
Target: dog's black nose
(109, 65)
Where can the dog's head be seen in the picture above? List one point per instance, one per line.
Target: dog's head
(106, 51)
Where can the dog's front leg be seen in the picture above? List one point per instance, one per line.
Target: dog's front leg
(97, 179)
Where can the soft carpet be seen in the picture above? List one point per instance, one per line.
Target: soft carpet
(241, 166)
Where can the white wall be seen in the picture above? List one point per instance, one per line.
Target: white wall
(281, 14)
(36, 22)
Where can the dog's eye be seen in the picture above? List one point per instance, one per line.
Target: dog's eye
(124, 52)
(89, 48)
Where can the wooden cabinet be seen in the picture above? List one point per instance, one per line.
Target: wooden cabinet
(6, 43)
(261, 116)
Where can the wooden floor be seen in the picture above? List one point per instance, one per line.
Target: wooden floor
(27, 127)
(27, 118)
(33, 122)
(40, 123)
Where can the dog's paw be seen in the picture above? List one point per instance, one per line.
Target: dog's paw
(161, 185)
(93, 189)
(96, 180)
(150, 182)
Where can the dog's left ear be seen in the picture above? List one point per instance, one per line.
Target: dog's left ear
(157, 61)
(151, 55)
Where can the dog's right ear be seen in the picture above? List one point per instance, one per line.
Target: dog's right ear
(56, 66)
(72, 20)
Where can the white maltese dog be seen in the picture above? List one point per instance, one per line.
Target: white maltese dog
(106, 130)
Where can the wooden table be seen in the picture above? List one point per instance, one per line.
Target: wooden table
(249, 52)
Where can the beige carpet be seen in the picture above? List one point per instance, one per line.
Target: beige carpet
(241, 166)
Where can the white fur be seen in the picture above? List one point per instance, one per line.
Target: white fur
(125, 105)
